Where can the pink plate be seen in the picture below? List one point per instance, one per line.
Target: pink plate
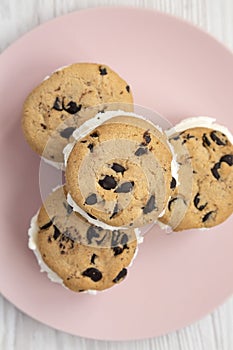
(173, 68)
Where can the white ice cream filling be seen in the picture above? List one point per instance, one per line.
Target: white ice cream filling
(33, 245)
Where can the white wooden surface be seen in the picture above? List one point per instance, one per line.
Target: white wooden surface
(20, 332)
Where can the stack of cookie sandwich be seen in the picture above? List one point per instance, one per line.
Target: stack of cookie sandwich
(122, 173)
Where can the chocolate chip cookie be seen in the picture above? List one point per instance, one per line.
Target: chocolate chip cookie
(204, 197)
(82, 256)
(66, 99)
(120, 173)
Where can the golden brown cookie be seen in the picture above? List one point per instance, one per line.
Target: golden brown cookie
(69, 97)
(82, 256)
(204, 197)
(120, 173)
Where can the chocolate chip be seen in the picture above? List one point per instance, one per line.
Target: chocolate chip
(125, 187)
(120, 275)
(170, 202)
(140, 151)
(100, 241)
(150, 205)
(103, 71)
(184, 141)
(217, 139)
(91, 233)
(93, 258)
(206, 216)
(146, 137)
(108, 182)
(68, 237)
(92, 216)
(118, 250)
(115, 238)
(90, 146)
(214, 170)
(205, 141)
(127, 88)
(196, 202)
(173, 183)
(43, 126)
(92, 199)
(46, 226)
(57, 232)
(175, 138)
(188, 136)
(228, 158)
(118, 168)
(57, 104)
(71, 107)
(124, 239)
(68, 207)
(115, 211)
(94, 274)
(95, 134)
(67, 132)
(118, 238)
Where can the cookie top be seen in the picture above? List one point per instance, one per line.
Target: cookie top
(84, 256)
(204, 197)
(69, 97)
(120, 173)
